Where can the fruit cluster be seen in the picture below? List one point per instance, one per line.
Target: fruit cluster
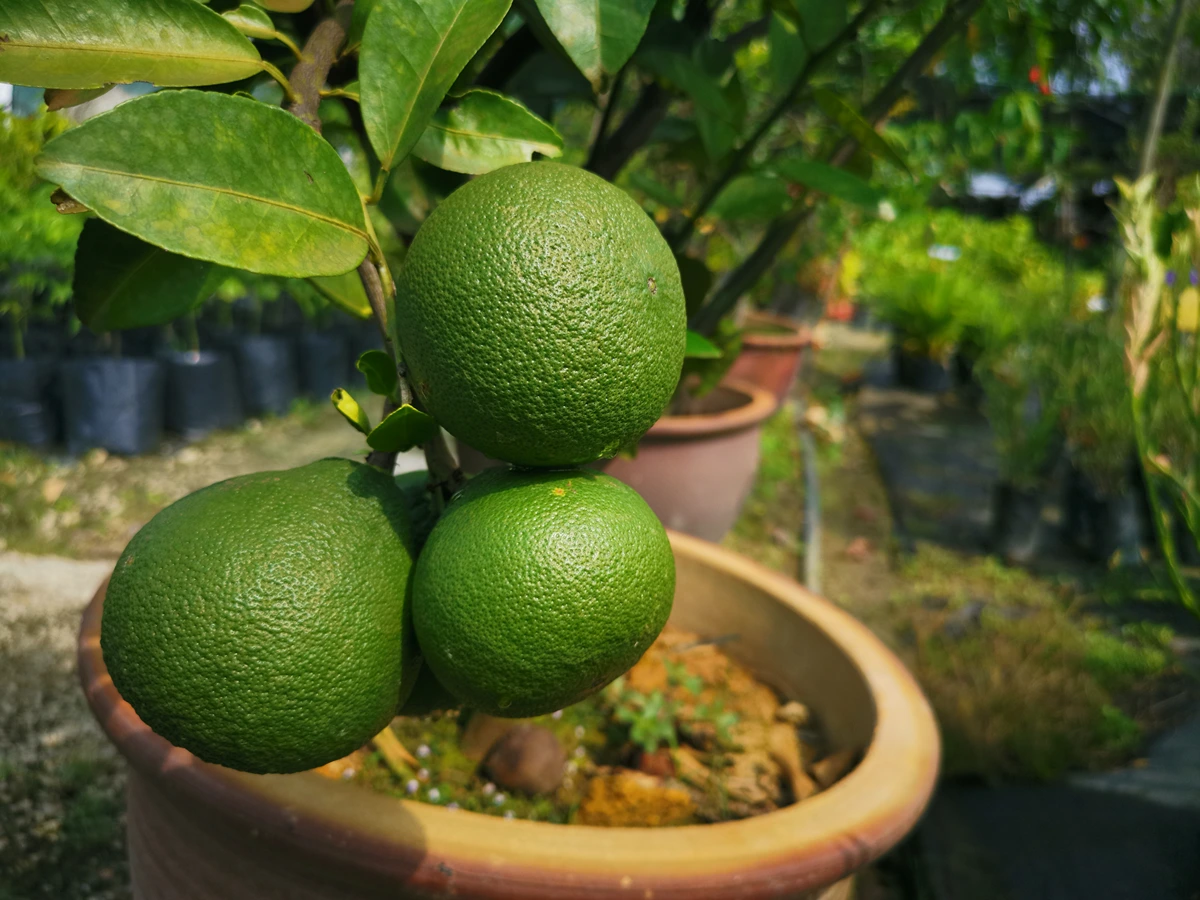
(277, 621)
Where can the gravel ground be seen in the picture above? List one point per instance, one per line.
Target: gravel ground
(61, 783)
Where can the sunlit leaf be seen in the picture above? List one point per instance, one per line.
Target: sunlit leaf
(251, 21)
(350, 410)
(280, 204)
(122, 282)
(599, 35)
(715, 118)
(857, 127)
(402, 430)
(286, 6)
(700, 347)
(412, 51)
(344, 291)
(380, 371)
(69, 44)
(485, 131)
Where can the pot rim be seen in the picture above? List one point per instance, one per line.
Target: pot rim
(760, 404)
(798, 337)
(802, 846)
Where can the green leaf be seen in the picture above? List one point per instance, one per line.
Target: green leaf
(344, 291)
(485, 131)
(598, 35)
(752, 197)
(412, 51)
(172, 43)
(286, 6)
(350, 410)
(700, 347)
(380, 371)
(402, 430)
(122, 282)
(251, 21)
(787, 51)
(177, 169)
(64, 98)
(697, 280)
(358, 24)
(858, 127)
(660, 193)
(715, 118)
(819, 20)
(829, 180)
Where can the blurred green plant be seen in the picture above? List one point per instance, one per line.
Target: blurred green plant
(37, 244)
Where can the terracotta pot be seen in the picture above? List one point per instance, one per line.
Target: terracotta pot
(771, 358)
(201, 832)
(695, 471)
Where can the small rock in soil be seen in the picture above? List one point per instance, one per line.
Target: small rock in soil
(528, 758)
(657, 763)
(794, 713)
(830, 769)
(481, 734)
(624, 799)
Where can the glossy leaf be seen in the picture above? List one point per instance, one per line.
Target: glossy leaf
(172, 43)
(344, 291)
(700, 347)
(858, 127)
(411, 53)
(380, 371)
(251, 21)
(402, 430)
(753, 197)
(122, 282)
(176, 169)
(829, 180)
(485, 131)
(64, 98)
(787, 51)
(350, 410)
(286, 6)
(599, 35)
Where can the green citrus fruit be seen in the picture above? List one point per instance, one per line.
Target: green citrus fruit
(541, 316)
(537, 588)
(263, 622)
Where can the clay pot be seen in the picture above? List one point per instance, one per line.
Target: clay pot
(771, 356)
(201, 832)
(696, 471)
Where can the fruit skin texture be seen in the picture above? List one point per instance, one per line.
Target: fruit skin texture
(541, 316)
(537, 588)
(263, 622)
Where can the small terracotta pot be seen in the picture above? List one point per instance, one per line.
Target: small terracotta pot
(202, 832)
(696, 471)
(771, 359)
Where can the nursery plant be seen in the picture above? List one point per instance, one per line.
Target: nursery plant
(268, 623)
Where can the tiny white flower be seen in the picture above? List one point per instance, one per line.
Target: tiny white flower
(580, 731)
(434, 795)
(452, 805)
(557, 714)
(347, 774)
(423, 775)
(423, 751)
(412, 786)
(499, 799)
(509, 814)
(580, 753)
(489, 789)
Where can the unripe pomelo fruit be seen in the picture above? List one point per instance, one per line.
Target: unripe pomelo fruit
(541, 316)
(262, 622)
(537, 588)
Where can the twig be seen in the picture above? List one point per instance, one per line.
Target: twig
(316, 59)
(604, 117)
(398, 759)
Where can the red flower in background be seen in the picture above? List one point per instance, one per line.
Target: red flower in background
(1035, 74)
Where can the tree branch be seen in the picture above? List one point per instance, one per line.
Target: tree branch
(725, 294)
(604, 118)
(316, 59)
(635, 129)
(308, 79)
(741, 156)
